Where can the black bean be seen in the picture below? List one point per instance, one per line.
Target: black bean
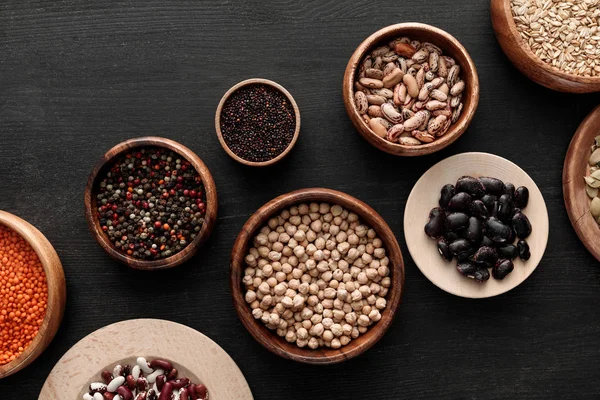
(460, 246)
(481, 275)
(486, 257)
(489, 200)
(460, 202)
(474, 232)
(479, 210)
(505, 208)
(521, 197)
(493, 185)
(524, 252)
(444, 249)
(494, 211)
(521, 225)
(502, 268)
(497, 231)
(467, 268)
(456, 221)
(509, 189)
(435, 227)
(486, 241)
(470, 185)
(508, 251)
(451, 236)
(446, 194)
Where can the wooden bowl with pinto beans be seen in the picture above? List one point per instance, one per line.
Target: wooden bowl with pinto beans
(449, 46)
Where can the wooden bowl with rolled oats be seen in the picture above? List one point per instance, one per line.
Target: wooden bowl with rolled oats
(555, 43)
(411, 89)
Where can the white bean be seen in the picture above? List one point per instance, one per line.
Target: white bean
(98, 396)
(141, 361)
(152, 377)
(115, 383)
(117, 397)
(88, 396)
(135, 372)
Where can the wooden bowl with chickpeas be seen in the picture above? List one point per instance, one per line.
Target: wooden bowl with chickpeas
(316, 276)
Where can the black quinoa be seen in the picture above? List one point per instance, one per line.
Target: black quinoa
(258, 122)
(151, 203)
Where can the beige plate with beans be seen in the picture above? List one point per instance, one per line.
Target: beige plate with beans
(425, 196)
(192, 353)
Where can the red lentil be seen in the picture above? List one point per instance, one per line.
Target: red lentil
(23, 294)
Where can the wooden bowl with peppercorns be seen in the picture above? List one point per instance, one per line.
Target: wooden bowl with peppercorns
(433, 125)
(128, 212)
(55, 304)
(520, 53)
(348, 209)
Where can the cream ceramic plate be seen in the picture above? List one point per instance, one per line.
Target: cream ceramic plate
(425, 195)
(192, 353)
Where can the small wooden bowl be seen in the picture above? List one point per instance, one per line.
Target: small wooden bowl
(575, 168)
(425, 196)
(256, 81)
(57, 292)
(193, 354)
(451, 47)
(270, 339)
(91, 210)
(519, 53)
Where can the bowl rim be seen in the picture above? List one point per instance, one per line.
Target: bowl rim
(268, 338)
(248, 82)
(456, 130)
(515, 37)
(209, 188)
(55, 279)
(411, 243)
(572, 173)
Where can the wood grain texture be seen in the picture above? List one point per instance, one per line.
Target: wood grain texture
(91, 208)
(450, 47)
(279, 345)
(78, 77)
(527, 62)
(425, 195)
(575, 168)
(57, 295)
(254, 81)
(194, 355)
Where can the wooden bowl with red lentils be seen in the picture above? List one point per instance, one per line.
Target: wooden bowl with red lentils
(32, 293)
(257, 122)
(150, 203)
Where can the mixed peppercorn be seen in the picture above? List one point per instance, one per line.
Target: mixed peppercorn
(258, 122)
(151, 203)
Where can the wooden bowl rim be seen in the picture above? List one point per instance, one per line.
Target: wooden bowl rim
(456, 130)
(211, 203)
(268, 338)
(248, 82)
(533, 60)
(55, 279)
(576, 171)
(498, 163)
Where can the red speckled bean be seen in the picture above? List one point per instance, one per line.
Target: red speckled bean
(108, 396)
(180, 383)
(142, 384)
(183, 395)
(201, 392)
(130, 382)
(125, 393)
(167, 391)
(192, 391)
(162, 364)
(141, 396)
(106, 376)
(172, 374)
(160, 381)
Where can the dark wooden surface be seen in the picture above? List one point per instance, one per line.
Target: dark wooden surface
(77, 77)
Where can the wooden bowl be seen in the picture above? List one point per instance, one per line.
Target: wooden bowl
(519, 53)
(248, 82)
(57, 292)
(425, 195)
(193, 354)
(575, 168)
(451, 47)
(270, 339)
(91, 210)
